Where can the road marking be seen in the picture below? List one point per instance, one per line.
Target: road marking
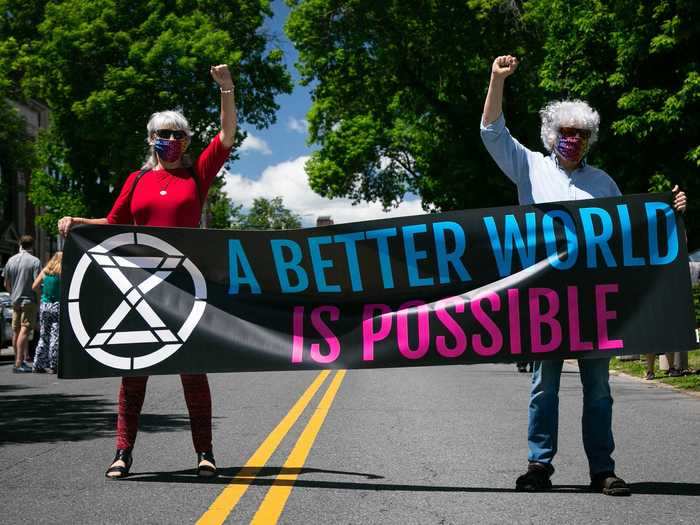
(229, 497)
(272, 506)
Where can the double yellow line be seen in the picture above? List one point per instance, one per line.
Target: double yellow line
(272, 506)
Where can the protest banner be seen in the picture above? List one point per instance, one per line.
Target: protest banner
(579, 279)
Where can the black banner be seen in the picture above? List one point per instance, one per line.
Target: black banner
(580, 279)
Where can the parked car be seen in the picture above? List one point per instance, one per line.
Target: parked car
(5, 320)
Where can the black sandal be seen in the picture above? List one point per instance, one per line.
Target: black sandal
(206, 471)
(123, 454)
(536, 478)
(610, 485)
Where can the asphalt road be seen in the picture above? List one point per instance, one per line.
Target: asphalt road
(409, 446)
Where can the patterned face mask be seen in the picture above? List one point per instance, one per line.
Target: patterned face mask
(572, 148)
(169, 150)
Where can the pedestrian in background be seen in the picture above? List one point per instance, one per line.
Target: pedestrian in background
(19, 274)
(673, 371)
(49, 282)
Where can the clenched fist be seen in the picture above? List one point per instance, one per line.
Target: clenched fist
(222, 76)
(504, 66)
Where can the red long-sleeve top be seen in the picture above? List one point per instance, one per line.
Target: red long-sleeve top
(181, 205)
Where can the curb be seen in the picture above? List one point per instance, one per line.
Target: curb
(656, 384)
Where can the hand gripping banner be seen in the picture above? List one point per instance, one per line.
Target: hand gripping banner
(581, 279)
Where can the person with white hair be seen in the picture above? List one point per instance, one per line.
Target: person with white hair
(569, 129)
(169, 190)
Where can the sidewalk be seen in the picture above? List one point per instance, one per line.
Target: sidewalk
(573, 363)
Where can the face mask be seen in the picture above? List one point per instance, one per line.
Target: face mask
(169, 150)
(572, 148)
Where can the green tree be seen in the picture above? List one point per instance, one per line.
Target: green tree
(630, 59)
(103, 66)
(16, 149)
(223, 213)
(398, 90)
(266, 214)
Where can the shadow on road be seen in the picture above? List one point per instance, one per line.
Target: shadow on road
(244, 475)
(42, 418)
(8, 388)
(253, 475)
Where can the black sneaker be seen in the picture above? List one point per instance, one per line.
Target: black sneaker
(536, 478)
(21, 369)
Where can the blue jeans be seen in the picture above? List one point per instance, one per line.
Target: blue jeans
(543, 414)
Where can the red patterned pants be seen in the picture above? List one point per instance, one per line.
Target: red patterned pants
(197, 397)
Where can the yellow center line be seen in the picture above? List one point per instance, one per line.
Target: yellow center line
(276, 498)
(229, 497)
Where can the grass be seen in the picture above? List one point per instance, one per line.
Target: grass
(637, 368)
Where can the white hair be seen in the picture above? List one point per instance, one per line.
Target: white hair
(165, 120)
(567, 113)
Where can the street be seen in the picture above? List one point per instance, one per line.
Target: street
(424, 445)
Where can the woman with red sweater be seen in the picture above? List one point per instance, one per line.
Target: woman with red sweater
(169, 191)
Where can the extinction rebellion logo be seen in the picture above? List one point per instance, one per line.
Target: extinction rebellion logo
(134, 297)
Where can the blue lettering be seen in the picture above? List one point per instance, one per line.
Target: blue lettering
(381, 237)
(652, 209)
(350, 240)
(628, 258)
(445, 258)
(320, 264)
(236, 257)
(550, 239)
(413, 255)
(284, 266)
(511, 236)
(597, 240)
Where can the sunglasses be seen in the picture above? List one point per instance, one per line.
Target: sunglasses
(176, 134)
(571, 132)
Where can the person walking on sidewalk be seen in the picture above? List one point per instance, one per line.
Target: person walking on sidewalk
(19, 274)
(49, 282)
(169, 190)
(569, 128)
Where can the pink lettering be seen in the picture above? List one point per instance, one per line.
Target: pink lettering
(539, 318)
(452, 326)
(328, 335)
(603, 315)
(514, 321)
(422, 313)
(298, 334)
(369, 336)
(485, 321)
(574, 324)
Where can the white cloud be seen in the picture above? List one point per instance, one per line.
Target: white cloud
(299, 125)
(289, 181)
(255, 144)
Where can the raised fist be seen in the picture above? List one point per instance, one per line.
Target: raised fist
(504, 66)
(222, 76)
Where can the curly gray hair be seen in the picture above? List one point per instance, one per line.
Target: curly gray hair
(567, 113)
(165, 120)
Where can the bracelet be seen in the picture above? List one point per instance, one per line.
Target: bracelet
(226, 91)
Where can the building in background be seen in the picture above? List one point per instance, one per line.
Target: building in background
(324, 220)
(17, 213)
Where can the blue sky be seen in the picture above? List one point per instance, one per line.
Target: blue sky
(272, 159)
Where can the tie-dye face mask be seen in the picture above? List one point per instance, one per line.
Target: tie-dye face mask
(169, 150)
(572, 148)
